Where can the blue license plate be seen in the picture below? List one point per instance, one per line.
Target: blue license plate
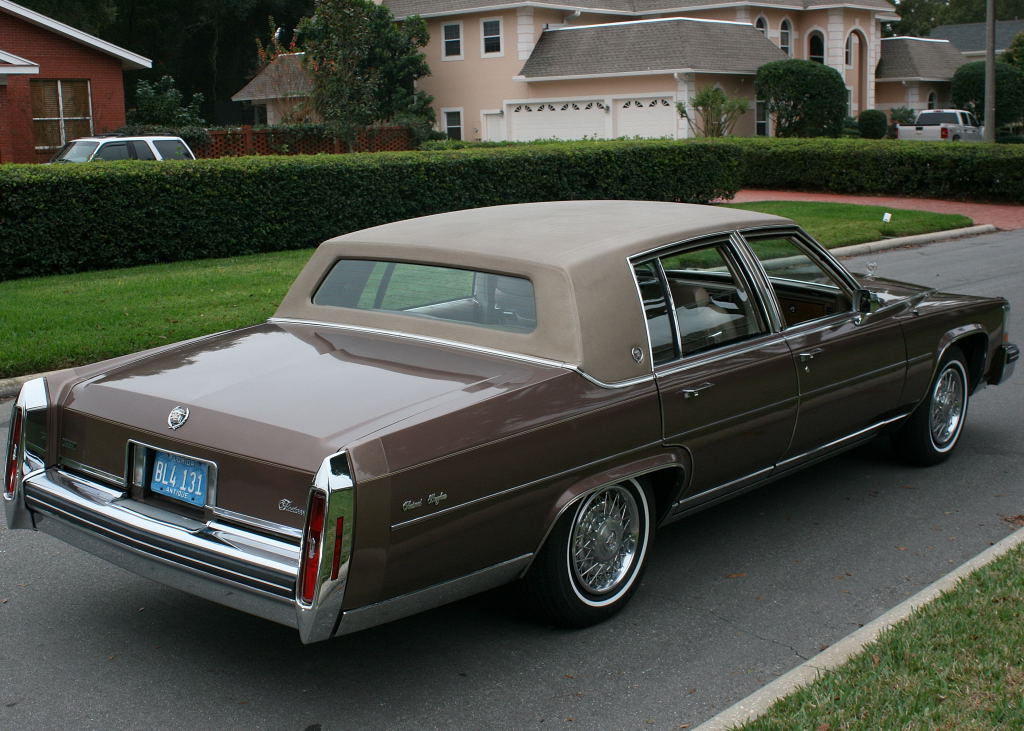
(179, 477)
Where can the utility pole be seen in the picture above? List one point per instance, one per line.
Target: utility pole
(990, 70)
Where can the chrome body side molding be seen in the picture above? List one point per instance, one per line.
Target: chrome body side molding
(434, 596)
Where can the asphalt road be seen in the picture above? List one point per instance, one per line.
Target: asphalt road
(734, 597)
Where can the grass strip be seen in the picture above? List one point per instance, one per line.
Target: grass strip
(843, 224)
(957, 662)
(56, 322)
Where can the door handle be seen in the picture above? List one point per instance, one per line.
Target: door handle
(808, 355)
(694, 391)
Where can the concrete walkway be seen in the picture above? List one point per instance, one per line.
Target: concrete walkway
(1002, 216)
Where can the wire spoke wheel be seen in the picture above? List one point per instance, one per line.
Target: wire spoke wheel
(603, 545)
(947, 406)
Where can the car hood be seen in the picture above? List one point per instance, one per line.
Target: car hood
(291, 394)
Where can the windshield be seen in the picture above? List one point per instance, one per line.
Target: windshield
(76, 151)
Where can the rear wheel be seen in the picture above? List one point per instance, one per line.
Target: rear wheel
(592, 561)
(933, 430)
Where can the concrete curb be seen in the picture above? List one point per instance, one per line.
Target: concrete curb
(9, 387)
(758, 702)
(955, 233)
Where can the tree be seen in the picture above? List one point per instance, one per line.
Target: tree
(1014, 54)
(917, 17)
(968, 91)
(806, 99)
(973, 11)
(162, 104)
(713, 113)
(364, 65)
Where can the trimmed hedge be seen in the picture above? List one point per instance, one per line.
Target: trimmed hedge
(68, 218)
(954, 171)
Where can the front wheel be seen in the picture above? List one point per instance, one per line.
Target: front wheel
(592, 561)
(933, 430)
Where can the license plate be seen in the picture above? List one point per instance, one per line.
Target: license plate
(179, 477)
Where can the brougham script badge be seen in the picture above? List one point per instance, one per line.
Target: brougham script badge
(177, 418)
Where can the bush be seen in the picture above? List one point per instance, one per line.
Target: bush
(67, 218)
(872, 124)
(978, 171)
(968, 90)
(806, 99)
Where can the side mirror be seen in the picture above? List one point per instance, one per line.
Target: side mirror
(862, 301)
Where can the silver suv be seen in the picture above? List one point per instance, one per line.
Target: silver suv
(148, 147)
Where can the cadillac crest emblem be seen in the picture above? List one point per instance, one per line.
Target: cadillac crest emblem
(177, 418)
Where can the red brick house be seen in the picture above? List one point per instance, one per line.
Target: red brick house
(56, 83)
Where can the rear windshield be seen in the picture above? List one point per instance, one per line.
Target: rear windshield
(927, 119)
(496, 301)
(172, 150)
(76, 151)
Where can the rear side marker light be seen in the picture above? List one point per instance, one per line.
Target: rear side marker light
(312, 547)
(12, 465)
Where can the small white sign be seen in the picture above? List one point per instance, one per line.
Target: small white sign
(886, 217)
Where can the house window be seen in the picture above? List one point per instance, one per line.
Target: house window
(490, 37)
(816, 47)
(849, 50)
(785, 34)
(760, 119)
(932, 100)
(761, 24)
(452, 123)
(61, 111)
(452, 41)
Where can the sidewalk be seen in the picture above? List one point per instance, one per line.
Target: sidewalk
(999, 215)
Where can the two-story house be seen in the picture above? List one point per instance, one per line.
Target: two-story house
(616, 68)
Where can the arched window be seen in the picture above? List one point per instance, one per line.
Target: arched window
(785, 33)
(761, 24)
(849, 50)
(932, 100)
(816, 47)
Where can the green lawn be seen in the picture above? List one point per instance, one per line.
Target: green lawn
(842, 224)
(55, 322)
(956, 663)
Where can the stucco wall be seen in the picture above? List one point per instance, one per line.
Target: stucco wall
(58, 58)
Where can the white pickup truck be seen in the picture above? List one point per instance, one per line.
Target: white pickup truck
(953, 125)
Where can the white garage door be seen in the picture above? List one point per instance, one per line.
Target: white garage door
(649, 117)
(560, 120)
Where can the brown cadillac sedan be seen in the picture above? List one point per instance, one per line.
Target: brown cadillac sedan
(520, 393)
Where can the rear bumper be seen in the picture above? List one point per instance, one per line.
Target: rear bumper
(220, 562)
(1003, 364)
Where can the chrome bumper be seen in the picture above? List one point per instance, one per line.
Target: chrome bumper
(216, 561)
(1003, 364)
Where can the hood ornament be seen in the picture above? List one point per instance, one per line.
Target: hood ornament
(177, 418)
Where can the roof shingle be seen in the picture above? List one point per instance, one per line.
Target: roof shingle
(673, 44)
(918, 58)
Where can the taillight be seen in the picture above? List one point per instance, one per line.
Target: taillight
(312, 545)
(944, 133)
(13, 463)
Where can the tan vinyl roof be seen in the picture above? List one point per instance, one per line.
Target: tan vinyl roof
(575, 252)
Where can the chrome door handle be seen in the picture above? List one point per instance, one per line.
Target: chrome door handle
(694, 392)
(809, 354)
